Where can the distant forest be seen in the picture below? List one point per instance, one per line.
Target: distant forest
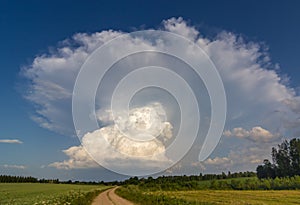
(132, 180)
(29, 179)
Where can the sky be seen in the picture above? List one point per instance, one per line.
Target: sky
(255, 46)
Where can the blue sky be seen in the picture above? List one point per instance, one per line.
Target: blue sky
(30, 29)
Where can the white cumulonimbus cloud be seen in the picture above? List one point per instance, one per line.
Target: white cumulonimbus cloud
(257, 96)
(140, 137)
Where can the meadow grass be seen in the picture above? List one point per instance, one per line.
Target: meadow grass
(210, 197)
(35, 193)
(227, 197)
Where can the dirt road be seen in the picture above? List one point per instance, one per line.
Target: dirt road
(109, 197)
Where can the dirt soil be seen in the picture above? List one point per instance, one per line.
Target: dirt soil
(109, 197)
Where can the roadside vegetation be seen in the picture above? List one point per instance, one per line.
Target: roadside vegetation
(247, 190)
(244, 183)
(48, 194)
(209, 197)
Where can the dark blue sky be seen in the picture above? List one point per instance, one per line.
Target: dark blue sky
(29, 28)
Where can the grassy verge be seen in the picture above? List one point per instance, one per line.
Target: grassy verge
(132, 193)
(77, 198)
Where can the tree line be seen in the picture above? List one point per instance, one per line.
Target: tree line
(285, 161)
(30, 179)
(132, 180)
(183, 182)
(200, 177)
(17, 179)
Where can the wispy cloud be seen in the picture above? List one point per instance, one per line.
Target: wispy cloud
(11, 141)
(13, 166)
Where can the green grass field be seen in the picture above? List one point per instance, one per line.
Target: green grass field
(210, 197)
(236, 197)
(27, 193)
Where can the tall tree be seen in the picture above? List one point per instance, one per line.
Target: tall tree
(266, 171)
(286, 161)
(295, 156)
(282, 158)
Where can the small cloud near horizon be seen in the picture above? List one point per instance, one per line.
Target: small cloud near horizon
(11, 141)
(13, 166)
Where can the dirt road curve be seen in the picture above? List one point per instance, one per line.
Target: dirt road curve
(109, 197)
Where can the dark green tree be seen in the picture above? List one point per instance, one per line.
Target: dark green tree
(282, 159)
(295, 156)
(266, 171)
(286, 161)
